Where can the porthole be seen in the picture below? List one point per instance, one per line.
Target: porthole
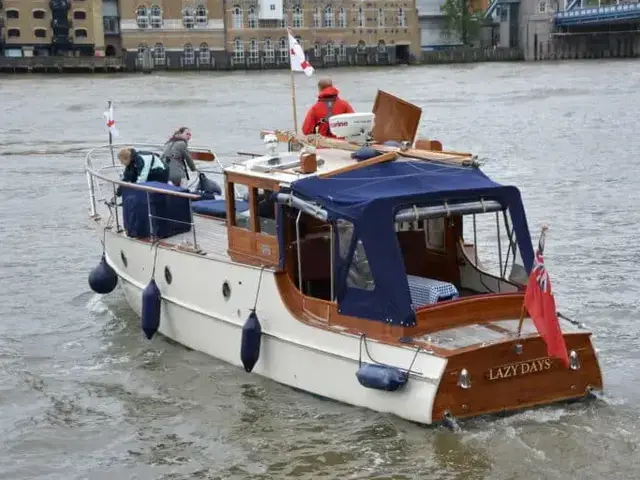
(226, 290)
(167, 275)
(123, 258)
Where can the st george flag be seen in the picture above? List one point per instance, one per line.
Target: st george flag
(111, 123)
(298, 61)
(541, 306)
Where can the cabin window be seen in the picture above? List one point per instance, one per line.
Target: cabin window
(489, 244)
(266, 208)
(243, 214)
(434, 233)
(359, 274)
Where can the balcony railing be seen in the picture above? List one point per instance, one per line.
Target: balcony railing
(111, 25)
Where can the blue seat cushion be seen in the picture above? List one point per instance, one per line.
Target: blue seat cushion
(217, 208)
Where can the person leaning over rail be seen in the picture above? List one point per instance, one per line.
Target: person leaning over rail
(176, 156)
(141, 166)
(328, 104)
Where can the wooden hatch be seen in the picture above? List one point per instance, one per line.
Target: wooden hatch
(396, 119)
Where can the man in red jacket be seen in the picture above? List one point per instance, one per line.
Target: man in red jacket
(328, 104)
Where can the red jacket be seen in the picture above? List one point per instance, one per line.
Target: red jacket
(318, 114)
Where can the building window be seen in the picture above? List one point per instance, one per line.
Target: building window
(331, 51)
(542, 6)
(156, 16)
(298, 17)
(269, 51)
(202, 17)
(79, 15)
(13, 14)
(40, 33)
(142, 48)
(317, 50)
(142, 17)
(342, 18)
(317, 18)
(204, 54)
(188, 55)
(362, 47)
(402, 18)
(380, 17)
(382, 47)
(237, 21)
(252, 18)
(328, 17)
(362, 21)
(238, 51)
(254, 50)
(342, 55)
(38, 14)
(13, 33)
(188, 17)
(159, 55)
(283, 22)
(284, 49)
(80, 33)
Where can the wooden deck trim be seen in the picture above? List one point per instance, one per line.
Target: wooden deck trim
(385, 157)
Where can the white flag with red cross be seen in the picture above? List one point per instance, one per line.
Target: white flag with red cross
(111, 123)
(298, 61)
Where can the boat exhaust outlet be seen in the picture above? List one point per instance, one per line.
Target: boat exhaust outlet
(463, 379)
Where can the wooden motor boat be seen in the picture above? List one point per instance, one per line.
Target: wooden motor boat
(366, 281)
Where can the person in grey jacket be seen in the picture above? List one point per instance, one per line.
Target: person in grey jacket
(177, 158)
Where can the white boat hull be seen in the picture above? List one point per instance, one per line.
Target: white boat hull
(317, 360)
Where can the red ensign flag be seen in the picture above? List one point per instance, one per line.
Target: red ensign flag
(541, 306)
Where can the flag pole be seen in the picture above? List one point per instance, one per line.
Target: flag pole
(113, 158)
(293, 87)
(523, 310)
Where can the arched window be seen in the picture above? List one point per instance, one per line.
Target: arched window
(202, 17)
(37, 13)
(236, 20)
(142, 17)
(269, 51)
(328, 17)
(362, 47)
(156, 16)
(342, 55)
(284, 49)
(142, 48)
(159, 56)
(380, 17)
(81, 33)
(382, 47)
(331, 51)
(362, 21)
(402, 18)
(238, 51)
(13, 13)
(40, 33)
(317, 18)
(204, 54)
(188, 54)
(254, 50)
(252, 17)
(317, 50)
(13, 33)
(298, 17)
(188, 17)
(342, 18)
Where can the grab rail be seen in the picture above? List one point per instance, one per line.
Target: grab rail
(94, 173)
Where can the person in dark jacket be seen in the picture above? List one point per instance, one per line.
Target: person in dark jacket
(328, 104)
(141, 167)
(177, 158)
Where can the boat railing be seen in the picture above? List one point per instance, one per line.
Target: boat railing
(110, 173)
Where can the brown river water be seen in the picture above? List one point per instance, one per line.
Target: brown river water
(84, 396)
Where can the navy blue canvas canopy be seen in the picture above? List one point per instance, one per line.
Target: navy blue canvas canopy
(370, 197)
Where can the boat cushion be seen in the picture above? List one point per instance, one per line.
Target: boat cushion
(426, 291)
(168, 211)
(217, 208)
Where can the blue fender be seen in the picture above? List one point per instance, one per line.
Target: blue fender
(250, 343)
(381, 377)
(151, 303)
(103, 279)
